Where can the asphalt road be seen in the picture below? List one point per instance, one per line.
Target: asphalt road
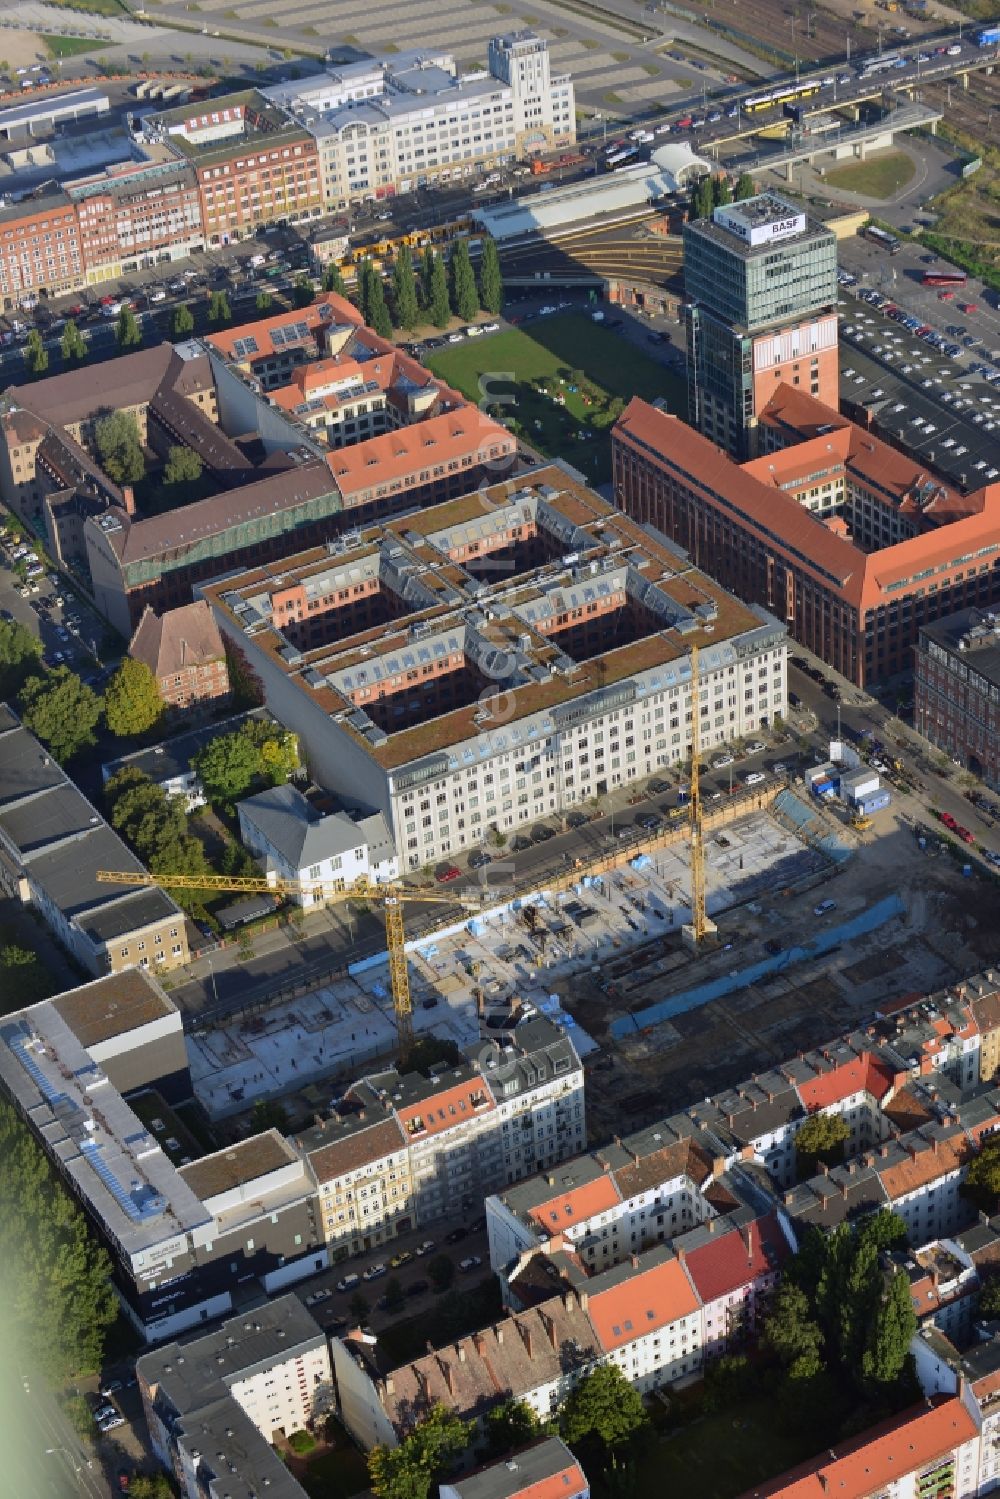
(43, 1458)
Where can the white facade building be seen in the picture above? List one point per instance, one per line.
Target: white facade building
(408, 120)
(295, 842)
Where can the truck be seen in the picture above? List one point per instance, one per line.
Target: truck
(988, 37)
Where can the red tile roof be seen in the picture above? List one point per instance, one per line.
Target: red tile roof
(640, 1303)
(570, 1481)
(409, 451)
(865, 1074)
(441, 1111)
(871, 1462)
(225, 339)
(731, 1260)
(577, 1205)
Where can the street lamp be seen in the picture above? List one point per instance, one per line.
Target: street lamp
(51, 1451)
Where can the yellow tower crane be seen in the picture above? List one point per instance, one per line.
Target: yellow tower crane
(391, 896)
(699, 921)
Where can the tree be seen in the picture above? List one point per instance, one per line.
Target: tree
(513, 1424)
(183, 321)
(303, 292)
(36, 355)
(989, 1297)
(426, 273)
(395, 1298)
(744, 187)
(407, 1471)
(146, 1486)
(333, 279)
(219, 310)
(266, 1114)
(58, 1296)
(404, 290)
(702, 198)
(982, 1179)
(62, 711)
(464, 297)
(821, 1139)
(119, 448)
(227, 767)
(24, 979)
(358, 1307)
(490, 277)
(20, 653)
(789, 1330)
(363, 289)
(132, 701)
(438, 304)
(887, 1357)
(264, 300)
(603, 1405)
(73, 346)
(183, 465)
(722, 193)
(441, 1270)
(128, 333)
(279, 753)
(378, 313)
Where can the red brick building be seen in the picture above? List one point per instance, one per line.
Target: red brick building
(852, 544)
(956, 690)
(134, 214)
(39, 248)
(183, 649)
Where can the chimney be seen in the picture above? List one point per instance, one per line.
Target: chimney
(128, 495)
(478, 1343)
(869, 1158)
(710, 1224)
(449, 1377)
(681, 1254)
(747, 1232)
(934, 1144)
(824, 1168)
(525, 1336)
(498, 1331)
(584, 1300)
(883, 1151)
(460, 1347)
(843, 1188)
(361, 1113)
(389, 1385)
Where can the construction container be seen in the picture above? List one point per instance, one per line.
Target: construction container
(855, 784)
(825, 772)
(873, 801)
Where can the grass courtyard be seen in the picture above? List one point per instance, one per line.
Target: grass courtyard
(70, 46)
(880, 177)
(555, 382)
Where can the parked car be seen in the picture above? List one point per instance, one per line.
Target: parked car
(455, 1236)
(374, 1272)
(471, 1262)
(447, 873)
(348, 1283)
(402, 1258)
(754, 778)
(424, 1248)
(824, 907)
(317, 1297)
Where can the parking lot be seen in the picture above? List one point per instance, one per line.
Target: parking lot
(72, 634)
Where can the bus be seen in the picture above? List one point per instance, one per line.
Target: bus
(883, 64)
(882, 238)
(619, 158)
(945, 278)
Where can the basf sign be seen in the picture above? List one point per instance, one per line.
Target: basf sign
(765, 232)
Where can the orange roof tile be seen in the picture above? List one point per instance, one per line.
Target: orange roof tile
(640, 1303)
(441, 1111)
(925, 1166)
(410, 450)
(865, 1074)
(577, 1205)
(225, 339)
(871, 1462)
(570, 1480)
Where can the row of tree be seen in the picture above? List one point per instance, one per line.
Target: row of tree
(432, 291)
(715, 192)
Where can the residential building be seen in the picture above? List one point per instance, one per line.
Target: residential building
(327, 851)
(183, 649)
(932, 1449)
(53, 844)
(40, 247)
(133, 215)
(760, 279)
(390, 653)
(545, 1470)
(852, 544)
(734, 1268)
(648, 1319)
(215, 1405)
(956, 690)
(169, 764)
(401, 1152)
(253, 165)
(393, 124)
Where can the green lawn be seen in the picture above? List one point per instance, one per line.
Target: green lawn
(880, 177)
(550, 350)
(71, 46)
(720, 1456)
(95, 7)
(335, 1475)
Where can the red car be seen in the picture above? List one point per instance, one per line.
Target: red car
(965, 835)
(946, 296)
(968, 306)
(449, 872)
(948, 820)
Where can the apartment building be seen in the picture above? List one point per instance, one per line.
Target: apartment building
(956, 690)
(734, 1267)
(932, 1449)
(40, 247)
(133, 215)
(484, 663)
(393, 124)
(294, 841)
(53, 843)
(215, 1405)
(852, 544)
(403, 1151)
(542, 1471)
(760, 279)
(183, 649)
(251, 163)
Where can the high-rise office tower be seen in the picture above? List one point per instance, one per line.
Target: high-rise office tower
(761, 285)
